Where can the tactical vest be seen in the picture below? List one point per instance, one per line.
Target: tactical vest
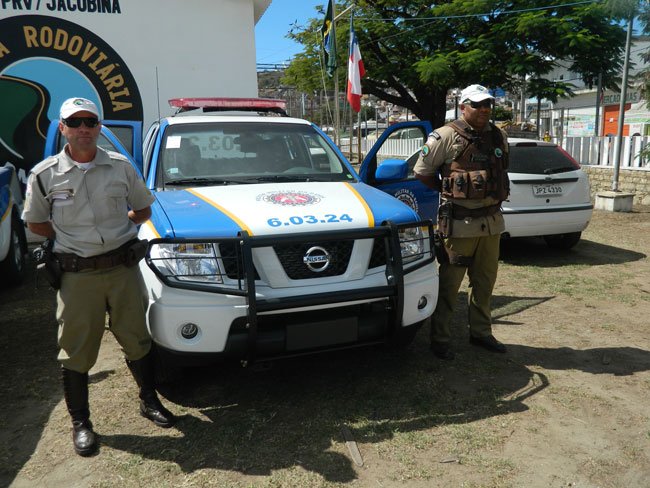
(479, 171)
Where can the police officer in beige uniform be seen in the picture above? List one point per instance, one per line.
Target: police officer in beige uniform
(88, 202)
(467, 161)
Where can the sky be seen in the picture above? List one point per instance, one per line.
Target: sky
(271, 44)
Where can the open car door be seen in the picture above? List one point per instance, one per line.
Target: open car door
(385, 167)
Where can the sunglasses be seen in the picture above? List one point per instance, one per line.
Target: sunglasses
(484, 103)
(75, 122)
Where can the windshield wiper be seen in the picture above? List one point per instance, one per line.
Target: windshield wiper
(291, 179)
(202, 181)
(279, 178)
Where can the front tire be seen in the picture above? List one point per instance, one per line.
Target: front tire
(13, 266)
(404, 336)
(563, 241)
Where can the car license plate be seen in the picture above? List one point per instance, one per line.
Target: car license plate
(547, 190)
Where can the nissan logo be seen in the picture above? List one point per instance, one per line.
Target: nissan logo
(316, 259)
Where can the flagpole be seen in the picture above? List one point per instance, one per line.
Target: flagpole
(356, 71)
(359, 132)
(337, 115)
(351, 132)
(331, 31)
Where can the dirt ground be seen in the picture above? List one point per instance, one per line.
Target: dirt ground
(568, 406)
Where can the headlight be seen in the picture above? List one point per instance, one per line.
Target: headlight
(196, 262)
(412, 242)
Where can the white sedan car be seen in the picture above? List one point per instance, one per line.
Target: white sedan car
(549, 194)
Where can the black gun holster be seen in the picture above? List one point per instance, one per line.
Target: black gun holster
(445, 219)
(136, 250)
(48, 264)
(439, 247)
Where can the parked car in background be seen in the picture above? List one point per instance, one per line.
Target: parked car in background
(550, 195)
(13, 241)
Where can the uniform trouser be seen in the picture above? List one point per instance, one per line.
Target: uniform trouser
(482, 274)
(82, 303)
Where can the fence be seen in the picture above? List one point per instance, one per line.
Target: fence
(391, 148)
(594, 151)
(601, 151)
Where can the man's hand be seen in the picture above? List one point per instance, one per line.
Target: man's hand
(44, 229)
(430, 181)
(140, 216)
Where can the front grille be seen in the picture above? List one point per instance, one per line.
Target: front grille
(291, 256)
(232, 260)
(378, 257)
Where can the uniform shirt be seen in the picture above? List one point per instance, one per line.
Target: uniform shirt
(88, 209)
(443, 146)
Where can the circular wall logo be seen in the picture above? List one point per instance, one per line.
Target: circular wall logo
(45, 60)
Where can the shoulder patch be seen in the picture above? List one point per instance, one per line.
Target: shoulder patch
(46, 163)
(435, 135)
(118, 156)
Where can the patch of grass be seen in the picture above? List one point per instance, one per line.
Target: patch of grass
(570, 280)
(470, 438)
(571, 398)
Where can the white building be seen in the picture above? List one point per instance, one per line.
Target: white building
(129, 56)
(576, 116)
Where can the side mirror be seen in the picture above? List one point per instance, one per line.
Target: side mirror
(391, 170)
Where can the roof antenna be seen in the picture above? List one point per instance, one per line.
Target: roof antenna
(157, 93)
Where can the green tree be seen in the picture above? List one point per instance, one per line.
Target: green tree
(502, 113)
(415, 51)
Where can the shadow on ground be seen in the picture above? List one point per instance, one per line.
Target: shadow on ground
(533, 251)
(29, 378)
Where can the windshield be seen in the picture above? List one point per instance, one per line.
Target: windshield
(214, 153)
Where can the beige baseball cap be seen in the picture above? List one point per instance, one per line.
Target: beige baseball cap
(73, 105)
(475, 93)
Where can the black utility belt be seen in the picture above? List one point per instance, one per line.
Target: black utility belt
(460, 213)
(128, 254)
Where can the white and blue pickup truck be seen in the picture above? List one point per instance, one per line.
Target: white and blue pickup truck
(264, 242)
(13, 242)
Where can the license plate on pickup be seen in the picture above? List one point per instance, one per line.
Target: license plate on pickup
(547, 190)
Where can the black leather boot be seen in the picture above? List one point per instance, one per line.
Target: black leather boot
(75, 388)
(150, 406)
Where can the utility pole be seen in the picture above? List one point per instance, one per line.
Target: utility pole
(621, 107)
(599, 94)
(522, 112)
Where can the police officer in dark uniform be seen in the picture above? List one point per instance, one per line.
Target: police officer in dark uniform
(88, 202)
(467, 160)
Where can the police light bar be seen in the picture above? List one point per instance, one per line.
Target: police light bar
(227, 103)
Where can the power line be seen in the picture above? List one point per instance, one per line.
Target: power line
(488, 14)
(504, 12)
